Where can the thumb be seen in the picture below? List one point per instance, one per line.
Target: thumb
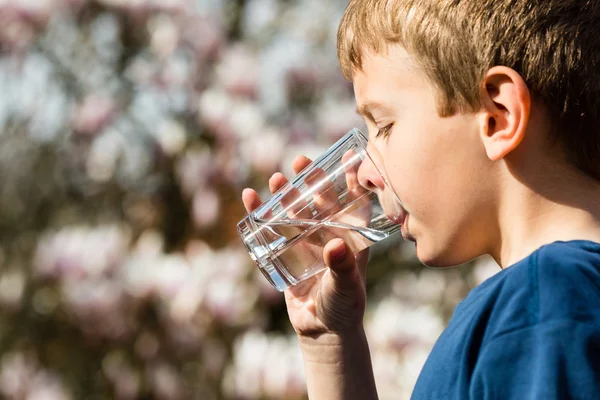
(342, 298)
(342, 264)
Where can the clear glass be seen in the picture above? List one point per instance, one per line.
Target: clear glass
(286, 235)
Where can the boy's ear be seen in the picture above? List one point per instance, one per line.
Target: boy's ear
(506, 104)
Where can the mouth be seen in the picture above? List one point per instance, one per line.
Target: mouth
(407, 236)
(401, 219)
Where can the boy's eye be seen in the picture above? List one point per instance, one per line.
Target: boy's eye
(385, 131)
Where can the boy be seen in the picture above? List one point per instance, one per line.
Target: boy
(485, 117)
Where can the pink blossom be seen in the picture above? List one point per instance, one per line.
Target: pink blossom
(16, 372)
(204, 35)
(336, 117)
(47, 386)
(205, 208)
(93, 114)
(164, 35)
(80, 251)
(12, 285)
(214, 108)
(17, 29)
(147, 345)
(124, 378)
(238, 71)
(195, 170)
(265, 150)
(265, 366)
(165, 382)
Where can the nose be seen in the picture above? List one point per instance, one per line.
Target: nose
(369, 177)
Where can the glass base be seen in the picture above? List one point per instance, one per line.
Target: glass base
(271, 272)
(259, 251)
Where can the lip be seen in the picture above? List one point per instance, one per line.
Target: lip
(399, 218)
(406, 235)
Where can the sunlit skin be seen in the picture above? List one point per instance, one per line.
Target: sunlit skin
(474, 183)
(470, 183)
(437, 166)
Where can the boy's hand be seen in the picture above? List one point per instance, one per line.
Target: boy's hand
(332, 302)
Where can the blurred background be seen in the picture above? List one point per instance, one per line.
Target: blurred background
(128, 129)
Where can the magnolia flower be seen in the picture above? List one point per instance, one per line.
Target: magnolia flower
(260, 17)
(97, 308)
(125, 379)
(336, 117)
(247, 121)
(266, 366)
(164, 35)
(395, 325)
(229, 302)
(204, 34)
(22, 378)
(171, 137)
(238, 71)
(165, 381)
(12, 285)
(400, 337)
(214, 108)
(195, 169)
(16, 372)
(485, 268)
(95, 112)
(47, 386)
(264, 150)
(128, 5)
(33, 11)
(205, 207)
(160, 277)
(16, 30)
(79, 252)
(312, 151)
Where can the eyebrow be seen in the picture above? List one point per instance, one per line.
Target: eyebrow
(367, 108)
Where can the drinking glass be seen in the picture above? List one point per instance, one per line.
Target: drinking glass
(329, 198)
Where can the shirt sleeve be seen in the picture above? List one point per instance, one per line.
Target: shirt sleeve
(552, 360)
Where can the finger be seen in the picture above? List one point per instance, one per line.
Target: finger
(351, 166)
(298, 208)
(251, 199)
(277, 181)
(325, 198)
(300, 163)
(342, 265)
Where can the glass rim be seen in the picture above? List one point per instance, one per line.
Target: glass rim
(360, 136)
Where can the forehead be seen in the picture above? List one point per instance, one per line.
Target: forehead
(385, 74)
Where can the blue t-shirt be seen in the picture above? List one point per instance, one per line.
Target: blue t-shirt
(532, 331)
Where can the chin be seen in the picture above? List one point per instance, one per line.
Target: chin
(438, 257)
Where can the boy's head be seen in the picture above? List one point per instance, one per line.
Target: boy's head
(462, 85)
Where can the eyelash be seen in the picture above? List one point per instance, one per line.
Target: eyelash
(385, 131)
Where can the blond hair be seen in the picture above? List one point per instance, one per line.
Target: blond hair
(553, 44)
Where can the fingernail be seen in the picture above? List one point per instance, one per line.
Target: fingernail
(338, 253)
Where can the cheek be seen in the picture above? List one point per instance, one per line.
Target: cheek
(413, 168)
(428, 169)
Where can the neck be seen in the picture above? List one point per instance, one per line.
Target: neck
(563, 205)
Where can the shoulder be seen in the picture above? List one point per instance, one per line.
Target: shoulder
(565, 280)
(558, 282)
